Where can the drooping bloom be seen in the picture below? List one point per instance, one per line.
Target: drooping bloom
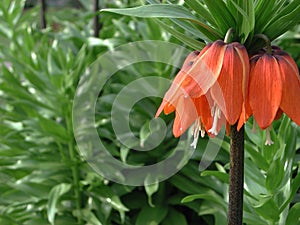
(210, 89)
(274, 87)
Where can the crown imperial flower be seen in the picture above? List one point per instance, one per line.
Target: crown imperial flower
(210, 89)
(274, 87)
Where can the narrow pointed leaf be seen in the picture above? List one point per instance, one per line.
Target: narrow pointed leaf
(155, 11)
(294, 215)
(201, 11)
(54, 195)
(222, 15)
(283, 24)
(192, 43)
(245, 13)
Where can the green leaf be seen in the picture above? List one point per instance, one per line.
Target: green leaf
(155, 11)
(221, 14)
(54, 195)
(211, 208)
(54, 129)
(254, 179)
(287, 19)
(189, 186)
(262, 15)
(256, 156)
(224, 177)
(150, 190)
(88, 216)
(209, 195)
(201, 11)
(6, 220)
(191, 42)
(268, 210)
(294, 215)
(246, 14)
(294, 188)
(175, 217)
(109, 197)
(191, 171)
(151, 215)
(145, 132)
(196, 31)
(124, 151)
(30, 188)
(275, 175)
(169, 11)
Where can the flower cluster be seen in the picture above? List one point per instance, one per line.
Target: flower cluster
(222, 85)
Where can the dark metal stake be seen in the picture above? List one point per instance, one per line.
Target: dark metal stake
(97, 25)
(236, 179)
(43, 14)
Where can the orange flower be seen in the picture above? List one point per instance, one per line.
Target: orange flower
(210, 89)
(274, 87)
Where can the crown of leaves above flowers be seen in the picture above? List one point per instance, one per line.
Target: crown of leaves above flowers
(206, 20)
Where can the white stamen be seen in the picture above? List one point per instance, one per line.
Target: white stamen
(216, 115)
(202, 130)
(198, 128)
(195, 141)
(268, 137)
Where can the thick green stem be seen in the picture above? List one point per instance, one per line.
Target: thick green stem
(75, 168)
(236, 179)
(76, 181)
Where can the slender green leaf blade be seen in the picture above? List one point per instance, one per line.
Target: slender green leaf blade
(155, 11)
(294, 215)
(222, 15)
(54, 195)
(201, 11)
(151, 215)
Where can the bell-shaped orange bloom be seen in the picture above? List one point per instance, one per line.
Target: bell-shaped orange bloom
(274, 87)
(210, 88)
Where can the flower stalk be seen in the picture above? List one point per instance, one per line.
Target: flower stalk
(228, 35)
(75, 167)
(267, 42)
(236, 177)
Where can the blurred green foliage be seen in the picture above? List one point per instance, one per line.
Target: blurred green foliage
(44, 181)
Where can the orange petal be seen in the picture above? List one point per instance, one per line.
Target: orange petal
(244, 58)
(181, 80)
(245, 115)
(204, 105)
(246, 109)
(169, 108)
(291, 89)
(166, 107)
(160, 109)
(265, 89)
(202, 72)
(186, 114)
(228, 90)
